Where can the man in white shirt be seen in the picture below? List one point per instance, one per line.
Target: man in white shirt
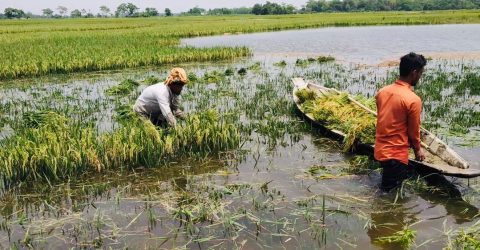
(159, 102)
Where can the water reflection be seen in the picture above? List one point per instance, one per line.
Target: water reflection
(399, 210)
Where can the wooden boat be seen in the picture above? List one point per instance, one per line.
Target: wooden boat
(440, 158)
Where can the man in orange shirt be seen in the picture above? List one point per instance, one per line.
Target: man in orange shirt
(398, 122)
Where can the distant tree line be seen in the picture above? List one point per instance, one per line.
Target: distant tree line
(387, 5)
(269, 8)
(123, 10)
(273, 9)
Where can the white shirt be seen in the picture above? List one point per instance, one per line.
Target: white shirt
(158, 101)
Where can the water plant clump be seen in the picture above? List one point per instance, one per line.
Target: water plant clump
(338, 112)
(192, 77)
(229, 72)
(466, 238)
(255, 67)
(281, 64)
(124, 88)
(405, 238)
(323, 59)
(242, 71)
(151, 80)
(213, 76)
(302, 62)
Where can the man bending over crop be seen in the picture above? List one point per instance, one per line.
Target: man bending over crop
(159, 102)
(398, 122)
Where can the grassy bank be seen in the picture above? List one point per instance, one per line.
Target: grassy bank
(81, 45)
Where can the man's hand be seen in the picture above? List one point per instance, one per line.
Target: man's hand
(419, 155)
(181, 115)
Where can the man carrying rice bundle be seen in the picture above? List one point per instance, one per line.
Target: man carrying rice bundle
(398, 122)
(159, 102)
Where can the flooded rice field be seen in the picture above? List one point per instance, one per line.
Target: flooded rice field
(285, 186)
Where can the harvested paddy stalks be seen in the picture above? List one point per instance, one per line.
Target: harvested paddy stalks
(57, 150)
(53, 150)
(337, 112)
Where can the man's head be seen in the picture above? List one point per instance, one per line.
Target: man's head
(411, 67)
(176, 80)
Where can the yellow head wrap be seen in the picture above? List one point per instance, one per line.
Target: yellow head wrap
(177, 74)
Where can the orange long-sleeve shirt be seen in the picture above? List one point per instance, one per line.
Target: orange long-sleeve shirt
(398, 122)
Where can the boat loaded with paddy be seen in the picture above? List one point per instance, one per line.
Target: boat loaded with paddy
(440, 158)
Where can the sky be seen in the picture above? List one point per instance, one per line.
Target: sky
(36, 6)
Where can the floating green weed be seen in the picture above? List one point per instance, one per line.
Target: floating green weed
(323, 59)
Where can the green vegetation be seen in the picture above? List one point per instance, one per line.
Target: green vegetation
(81, 45)
(466, 238)
(125, 87)
(54, 149)
(405, 238)
(382, 5)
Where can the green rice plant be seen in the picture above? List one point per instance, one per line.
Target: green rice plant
(242, 71)
(35, 119)
(151, 80)
(124, 88)
(192, 77)
(229, 72)
(302, 62)
(125, 113)
(404, 238)
(324, 59)
(255, 67)
(213, 76)
(467, 239)
(361, 164)
(281, 64)
(464, 238)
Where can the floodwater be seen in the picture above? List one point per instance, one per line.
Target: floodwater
(364, 45)
(288, 186)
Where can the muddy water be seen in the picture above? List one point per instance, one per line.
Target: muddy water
(288, 186)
